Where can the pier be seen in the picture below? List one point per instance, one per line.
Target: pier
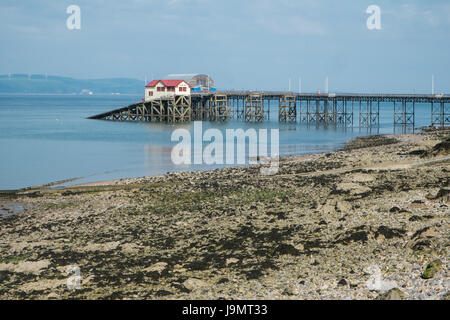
(293, 107)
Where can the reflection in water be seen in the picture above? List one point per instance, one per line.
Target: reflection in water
(157, 160)
(403, 129)
(158, 157)
(369, 130)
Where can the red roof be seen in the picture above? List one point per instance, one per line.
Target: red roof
(167, 83)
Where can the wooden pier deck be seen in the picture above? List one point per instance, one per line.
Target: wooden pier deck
(292, 107)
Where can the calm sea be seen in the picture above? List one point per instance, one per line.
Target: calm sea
(46, 138)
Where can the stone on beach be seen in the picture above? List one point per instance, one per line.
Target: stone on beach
(32, 267)
(431, 269)
(193, 284)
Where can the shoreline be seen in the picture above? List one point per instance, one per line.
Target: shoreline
(57, 183)
(62, 183)
(321, 228)
(118, 181)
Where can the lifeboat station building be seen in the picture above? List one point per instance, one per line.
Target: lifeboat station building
(158, 89)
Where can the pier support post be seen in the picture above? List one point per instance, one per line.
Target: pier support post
(341, 112)
(375, 114)
(440, 114)
(196, 106)
(240, 106)
(369, 115)
(254, 108)
(142, 112)
(349, 114)
(231, 107)
(218, 109)
(287, 111)
(179, 109)
(330, 110)
(404, 115)
(304, 113)
(321, 110)
(311, 116)
(157, 111)
(266, 107)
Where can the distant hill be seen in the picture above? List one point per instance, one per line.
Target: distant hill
(37, 83)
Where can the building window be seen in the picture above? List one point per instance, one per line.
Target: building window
(150, 93)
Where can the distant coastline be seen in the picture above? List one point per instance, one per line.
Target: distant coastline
(49, 84)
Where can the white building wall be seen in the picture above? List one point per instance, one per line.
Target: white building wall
(164, 94)
(180, 92)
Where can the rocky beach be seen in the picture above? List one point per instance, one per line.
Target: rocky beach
(369, 221)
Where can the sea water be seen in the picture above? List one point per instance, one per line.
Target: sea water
(47, 138)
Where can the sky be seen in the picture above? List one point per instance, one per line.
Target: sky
(241, 44)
